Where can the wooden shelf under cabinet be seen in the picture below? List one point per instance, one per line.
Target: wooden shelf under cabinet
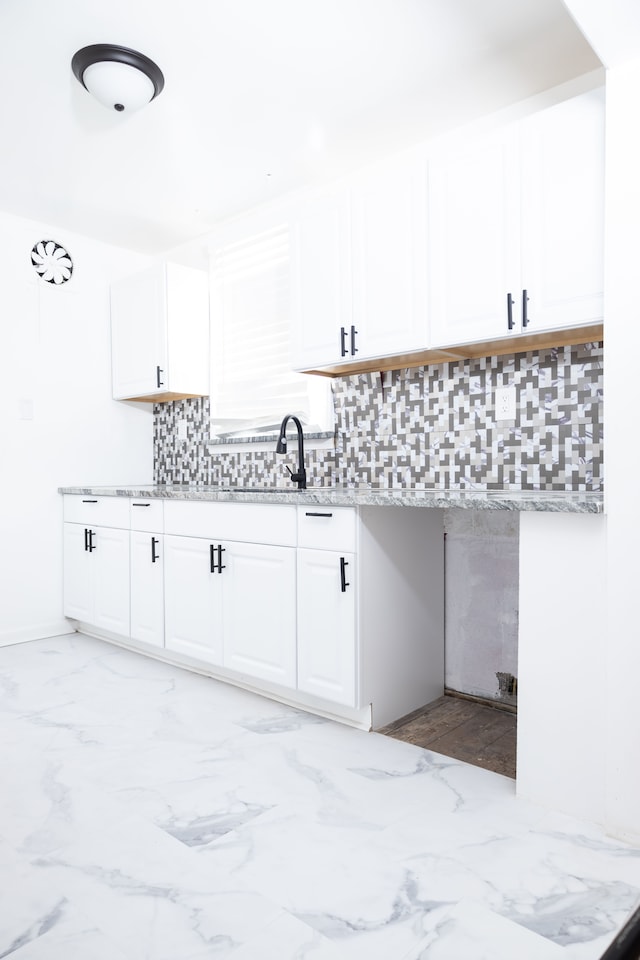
(590, 333)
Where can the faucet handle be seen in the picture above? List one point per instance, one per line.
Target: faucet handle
(300, 478)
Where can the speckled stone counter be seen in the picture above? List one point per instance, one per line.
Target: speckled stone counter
(540, 501)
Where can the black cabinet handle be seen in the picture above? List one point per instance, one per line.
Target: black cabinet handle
(525, 314)
(509, 312)
(89, 501)
(92, 545)
(343, 575)
(216, 565)
(343, 344)
(307, 514)
(140, 504)
(159, 382)
(86, 539)
(354, 349)
(154, 541)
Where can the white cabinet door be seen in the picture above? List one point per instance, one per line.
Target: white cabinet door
(321, 280)
(139, 334)
(160, 334)
(562, 151)
(147, 588)
(110, 556)
(474, 240)
(78, 574)
(327, 647)
(260, 611)
(96, 576)
(389, 252)
(193, 598)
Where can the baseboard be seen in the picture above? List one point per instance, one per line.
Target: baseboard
(509, 706)
(40, 631)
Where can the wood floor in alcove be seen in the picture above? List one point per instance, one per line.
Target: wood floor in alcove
(474, 732)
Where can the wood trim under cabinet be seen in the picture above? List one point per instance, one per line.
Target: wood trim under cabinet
(163, 397)
(590, 333)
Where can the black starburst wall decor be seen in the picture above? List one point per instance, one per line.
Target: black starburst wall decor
(52, 262)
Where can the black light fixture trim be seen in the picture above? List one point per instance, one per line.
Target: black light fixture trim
(100, 52)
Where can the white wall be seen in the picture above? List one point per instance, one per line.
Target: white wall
(561, 662)
(622, 455)
(613, 29)
(55, 368)
(481, 599)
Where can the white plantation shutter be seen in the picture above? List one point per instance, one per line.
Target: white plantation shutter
(252, 385)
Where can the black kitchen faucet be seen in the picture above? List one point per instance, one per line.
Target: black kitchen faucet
(300, 477)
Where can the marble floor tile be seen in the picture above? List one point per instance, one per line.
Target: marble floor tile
(148, 813)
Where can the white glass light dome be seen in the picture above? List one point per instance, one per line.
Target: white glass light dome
(118, 86)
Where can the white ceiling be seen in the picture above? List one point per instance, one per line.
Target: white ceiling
(260, 96)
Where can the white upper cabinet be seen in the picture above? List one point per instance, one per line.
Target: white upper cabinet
(359, 267)
(562, 168)
(389, 251)
(321, 278)
(516, 227)
(160, 334)
(475, 255)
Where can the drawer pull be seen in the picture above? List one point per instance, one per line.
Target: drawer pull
(344, 583)
(318, 514)
(89, 501)
(140, 504)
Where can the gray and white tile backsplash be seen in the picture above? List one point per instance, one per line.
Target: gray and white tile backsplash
(424, 428)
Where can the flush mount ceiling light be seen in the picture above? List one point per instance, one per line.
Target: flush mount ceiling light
(120, 78)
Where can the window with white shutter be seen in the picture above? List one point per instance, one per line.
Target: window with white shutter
(252, 384)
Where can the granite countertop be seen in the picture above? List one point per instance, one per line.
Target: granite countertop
(529, 500)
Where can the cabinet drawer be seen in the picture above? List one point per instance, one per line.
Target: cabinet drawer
(146, 515)
(100, 511)
(247, 522)
(327, 528)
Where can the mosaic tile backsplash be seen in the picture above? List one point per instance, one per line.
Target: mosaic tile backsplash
(429, 427)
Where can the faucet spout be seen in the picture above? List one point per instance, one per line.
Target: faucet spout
(300, 476)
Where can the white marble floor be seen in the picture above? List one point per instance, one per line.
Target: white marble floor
(147, 813)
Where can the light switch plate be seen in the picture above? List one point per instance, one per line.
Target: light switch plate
(182, 430)
(25, 408)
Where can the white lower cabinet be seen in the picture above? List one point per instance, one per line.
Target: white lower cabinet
(327, 634)
(96, 576)
(336, 609)
(233, 605)
(147, 570)
(147, 587)
(259, 611)
(193, 599)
